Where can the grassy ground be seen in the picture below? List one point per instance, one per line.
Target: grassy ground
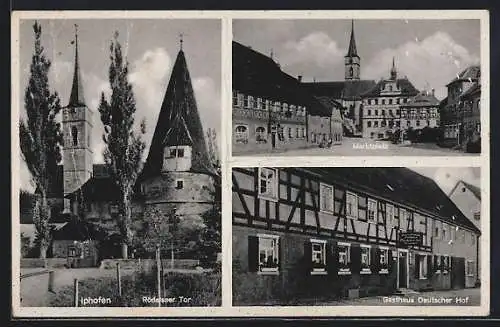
(201, 289)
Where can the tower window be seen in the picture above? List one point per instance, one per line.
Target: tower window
(179, 153)
(351, 71)
(179, 184)
(74, 134)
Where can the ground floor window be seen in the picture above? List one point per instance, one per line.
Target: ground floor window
(437, 264)
(384, 260)
(344, 250)
(421, 261)
(318, 255)
(241, 134)
(268, 252)
(260, 134)
(469, 268)
(365, 259)
(446, 263)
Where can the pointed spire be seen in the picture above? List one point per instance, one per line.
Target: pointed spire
(181, 40)
(352, 52)
(178, 123)
(76, 97)
(394, 72)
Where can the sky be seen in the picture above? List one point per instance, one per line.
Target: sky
(429, 52)
(447, 177)
(151, 47)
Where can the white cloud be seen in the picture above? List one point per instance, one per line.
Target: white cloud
(428, 63)
(317, 48)
(148, 76)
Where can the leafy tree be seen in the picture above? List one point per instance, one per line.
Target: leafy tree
(124, 146)
(40, 138)
(210, 242)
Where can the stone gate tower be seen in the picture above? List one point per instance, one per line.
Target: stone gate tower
(178, 174)
(77, 129)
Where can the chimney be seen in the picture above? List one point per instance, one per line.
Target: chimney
(432, 91)
(299, 78)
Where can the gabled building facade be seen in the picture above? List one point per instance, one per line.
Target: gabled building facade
(467, 198)
(420, 112)
(381, 112)
(328, 233)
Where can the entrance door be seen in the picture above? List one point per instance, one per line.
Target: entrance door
(457, 273)
(273, 140)
(402, 269)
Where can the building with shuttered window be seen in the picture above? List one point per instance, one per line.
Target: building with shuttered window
(329, 233)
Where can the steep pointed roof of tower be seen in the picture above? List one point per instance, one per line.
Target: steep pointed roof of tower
(352, 52)
(179, 123)
(76, 97)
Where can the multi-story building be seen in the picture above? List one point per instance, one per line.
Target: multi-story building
(460, 110)
(381, 109)
(270, 108)
(337, 232)
(471, 118)
(178, 175)
(467, 198)
(420, 112)
(347, 92)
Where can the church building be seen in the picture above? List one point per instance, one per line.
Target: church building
(178, 174)
(347, 92)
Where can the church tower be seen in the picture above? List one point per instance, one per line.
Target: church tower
(394, 72)
(178, 174)
(352, 60)
(77, 129)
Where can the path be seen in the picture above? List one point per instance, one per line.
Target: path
(34, 289)
(369, 147)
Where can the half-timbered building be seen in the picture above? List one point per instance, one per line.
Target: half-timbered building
(312, 233)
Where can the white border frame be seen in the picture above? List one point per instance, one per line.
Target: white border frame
(227, 162)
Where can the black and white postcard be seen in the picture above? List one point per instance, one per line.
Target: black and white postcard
(250, 164)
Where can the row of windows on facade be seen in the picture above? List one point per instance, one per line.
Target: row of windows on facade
(453, 130)
(422, 113)
(360, 207)
(241, 133)
(250, 102)
(465, 108)
(397, 123)
(371, 259)
(389, 101)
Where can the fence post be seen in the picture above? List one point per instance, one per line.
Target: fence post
(51, 281)
(119, 278)
(75, 292)
(158, 274)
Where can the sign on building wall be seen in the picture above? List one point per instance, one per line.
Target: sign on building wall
(411, 238)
